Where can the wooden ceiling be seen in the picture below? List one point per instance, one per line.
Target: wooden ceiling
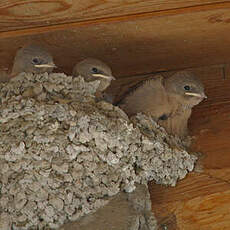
(137, 37)
(19, 14)
(134, 36)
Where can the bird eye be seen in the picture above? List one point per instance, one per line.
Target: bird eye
(35, 61)
(187, 88)
(94, 70)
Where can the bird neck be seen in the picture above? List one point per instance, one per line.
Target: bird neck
(178, 103)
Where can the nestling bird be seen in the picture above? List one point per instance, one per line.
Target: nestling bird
(93, 69)
(32, 59)
(4, 76)
(168, 101)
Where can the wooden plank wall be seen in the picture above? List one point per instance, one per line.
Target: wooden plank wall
(18, 14)
(135, 38)
(146, 42)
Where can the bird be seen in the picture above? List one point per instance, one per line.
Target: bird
(4, 76)
(92, 69)
(169, 101)
(32, 58)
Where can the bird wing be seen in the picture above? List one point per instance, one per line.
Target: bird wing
(148, 97)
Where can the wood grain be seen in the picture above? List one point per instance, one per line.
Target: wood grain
(210, 212)
(138, 46)
(195, 185)
(21, 14)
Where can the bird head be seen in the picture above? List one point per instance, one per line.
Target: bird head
(32, 59)
(186, 88)
(93, 69)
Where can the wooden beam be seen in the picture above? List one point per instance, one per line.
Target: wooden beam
(139, 46)
(19, 16)
(209, 212)
(195, 185)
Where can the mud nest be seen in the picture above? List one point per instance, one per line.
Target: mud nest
(62, 155)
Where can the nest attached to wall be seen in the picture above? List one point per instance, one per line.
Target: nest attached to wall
(62, 155)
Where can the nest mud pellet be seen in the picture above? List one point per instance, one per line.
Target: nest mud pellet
(62, 155)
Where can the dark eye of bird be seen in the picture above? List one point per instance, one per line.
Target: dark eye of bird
(187, 88)
(35, 61)
(163, 117)
(94, 70)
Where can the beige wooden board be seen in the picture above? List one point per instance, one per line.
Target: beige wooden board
(22, 14)
(139, 46)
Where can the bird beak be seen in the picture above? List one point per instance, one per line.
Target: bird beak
(202, 95)
(48, 65)
(104, 76)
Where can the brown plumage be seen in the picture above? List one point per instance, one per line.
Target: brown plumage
(4, 76)
(32, 59)
(93, 69)
(168, 101)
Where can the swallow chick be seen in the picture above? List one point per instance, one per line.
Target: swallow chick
(93, 69)
(169, 101)
(4, 76)
(32, 59)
